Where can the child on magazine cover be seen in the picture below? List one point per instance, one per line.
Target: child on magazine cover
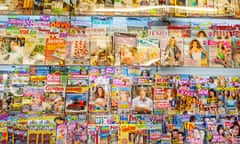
(172, 52)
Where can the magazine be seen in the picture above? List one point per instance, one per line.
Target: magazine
(38, 75)
(148, 52)
(125, 49)
(77, 50)
(171, 51)
(195, 52)
(178, 11)
(12, 50)
(54, 98)
(121, 95)
(224, 7)
(100, 91)
(101, 51)
(142, 102)
(55, 51)
(220, 53)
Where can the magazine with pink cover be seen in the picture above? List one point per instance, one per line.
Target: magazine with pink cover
(171, 51)
(220, 53)
(77, 50)
(101, 51)
(196, 52)
(125, 45)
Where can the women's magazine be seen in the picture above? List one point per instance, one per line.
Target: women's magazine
(171, 51)
(196, 52)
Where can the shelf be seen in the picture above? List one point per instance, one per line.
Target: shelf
(162, 70)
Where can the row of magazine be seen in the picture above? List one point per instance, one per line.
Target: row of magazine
(101, 41)
(120, 129)
(130, 7)
(112, 90)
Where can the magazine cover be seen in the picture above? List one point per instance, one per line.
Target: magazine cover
(32, 99)
(55, 51)
(171, 51)
(133, 134)
(231, 99)
(237, 59)
(77, 89)
(142, 102)
(195, 132)
(138, 26)
(202, 33)
(196, 4)
(237, 8)
(148, 52)
(195, 52)
(54, 99)
(102, 53)
(92, 134)
(56, 79)
(61, 129)
(125, 49)
(187, 99)
(77, 50)
(224, 7)
(12, 50)
(220, 53)
(38, 75)
(13, 90)
(165, 101)
(77, 129)
(35, 46)
(236, 51)
(100, 90)
(76, 102)
(121, 94)
(178, 11)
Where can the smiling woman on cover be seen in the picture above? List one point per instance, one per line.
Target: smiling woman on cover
(142, 104)
(196, 52)
(172, 53)
(100, 100)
